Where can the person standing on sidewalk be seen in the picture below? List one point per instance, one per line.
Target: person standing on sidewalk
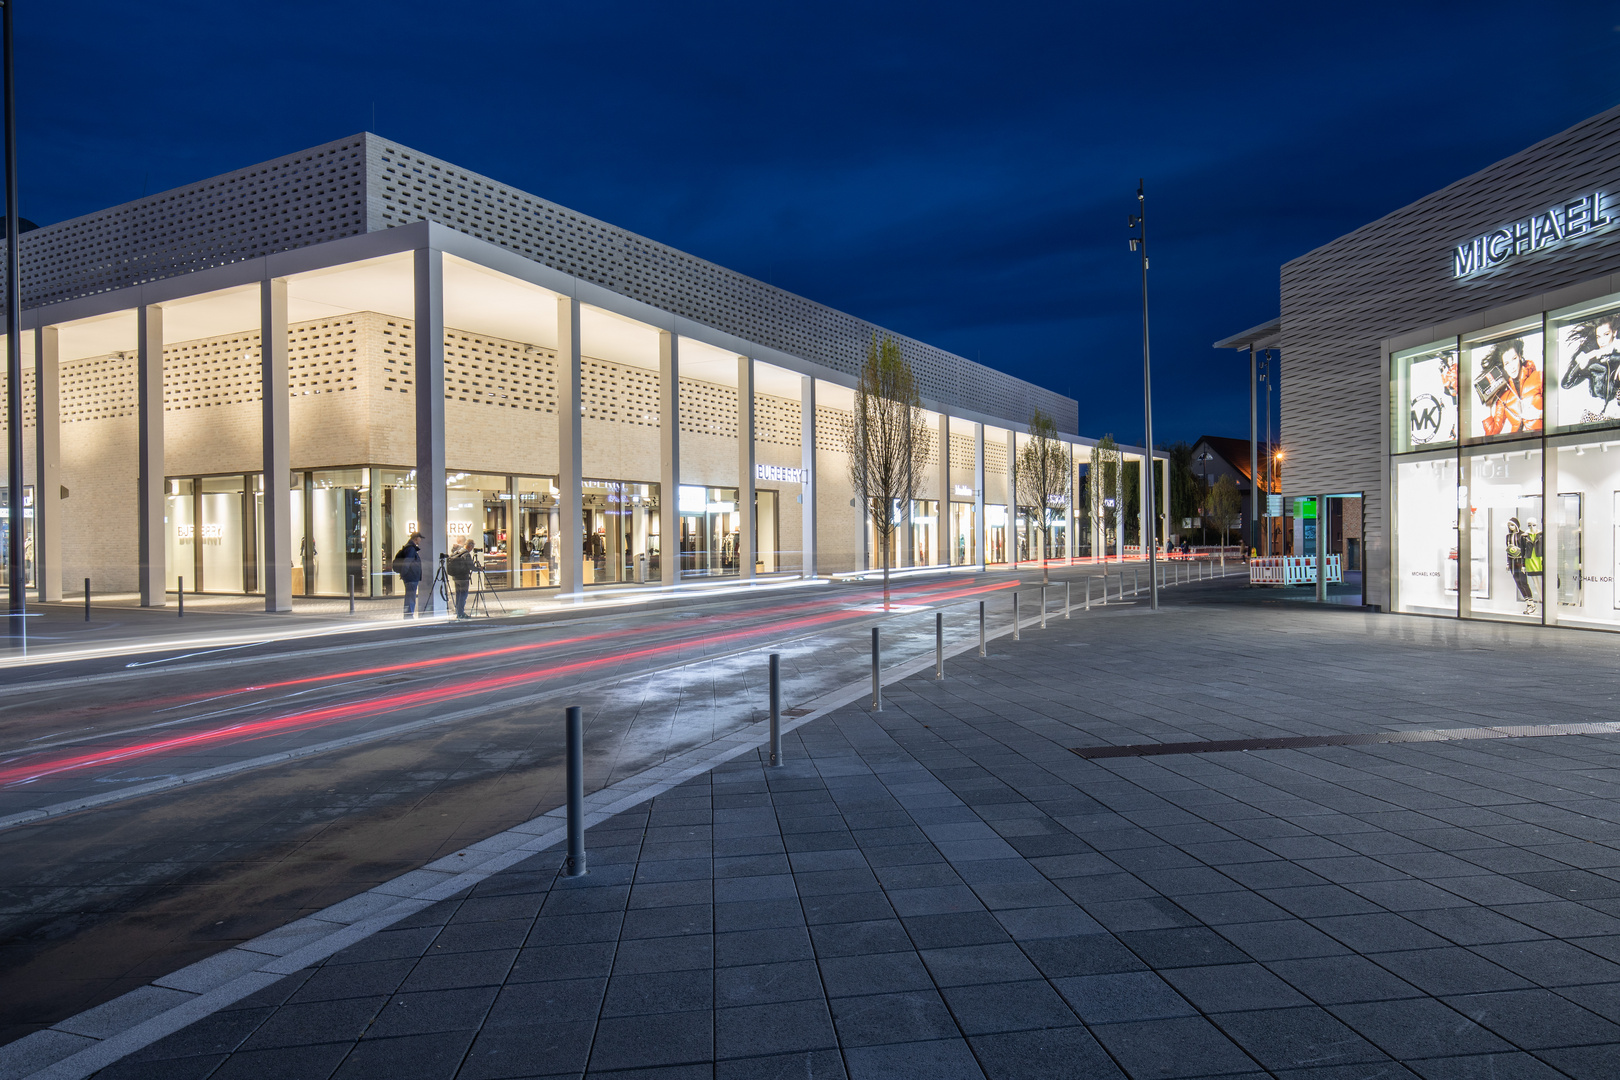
(459, 567)
(408, 565)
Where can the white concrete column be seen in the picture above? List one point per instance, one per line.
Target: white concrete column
(745, 468)
(150, 484)
(570, 491)
(1068, 505)
(1119, 506)
(810, 486)
(942, 543)
(47, 466)
(276, 573)
(1144, 511)
(1164, 493)
(669, 480)
(1012, 498)
(978, 494)
(428, 345)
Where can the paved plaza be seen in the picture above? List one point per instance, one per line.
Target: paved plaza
(943, 889)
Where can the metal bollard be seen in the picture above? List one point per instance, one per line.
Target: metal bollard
(86, 599)
(776, 709)
(981, 629)
(1043, 607)
(181, 594)
(877, 683)
(351, 594)
(575, 866)
(1136, 581)
(1016, 636)
(1068, 598)
(939, 644)
(1088, 592)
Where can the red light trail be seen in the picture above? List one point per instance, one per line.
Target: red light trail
(248, 731)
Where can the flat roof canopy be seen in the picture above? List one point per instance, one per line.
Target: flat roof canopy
(1268, 335)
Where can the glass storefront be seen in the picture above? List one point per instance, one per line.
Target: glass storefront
(995, 533)
(1480, 438)
(393, 519)
(28, 534)
(214, 533)
(330, 521)
(925, 533)
(621, 531)
(477, 511)
(711, 531)
(537, 523)
(964, 543)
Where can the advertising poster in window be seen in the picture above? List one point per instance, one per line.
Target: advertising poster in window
(1506, 384)
(1431, 405)
(1589, 359)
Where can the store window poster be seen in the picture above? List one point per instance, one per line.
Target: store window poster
(1507, 385)
(1432, 405)
(1589, 357)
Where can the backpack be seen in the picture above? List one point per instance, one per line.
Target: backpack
(400, 563)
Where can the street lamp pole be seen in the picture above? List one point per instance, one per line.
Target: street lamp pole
(1139, 244)
(15, 580)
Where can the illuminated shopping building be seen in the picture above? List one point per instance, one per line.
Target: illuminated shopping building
(1452, 371)
(593, 407)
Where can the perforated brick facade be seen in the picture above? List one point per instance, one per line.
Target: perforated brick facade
(368, 184)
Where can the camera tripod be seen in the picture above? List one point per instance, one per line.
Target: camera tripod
(479, 593)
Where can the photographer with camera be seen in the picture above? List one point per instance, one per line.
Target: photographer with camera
(459, 567)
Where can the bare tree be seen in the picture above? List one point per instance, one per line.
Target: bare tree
(1223, 504)
(1043, 480)
(889, 443)
(1104, 476)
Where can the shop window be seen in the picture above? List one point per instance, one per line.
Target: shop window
(537, 525)
(1507, 543)
(478, 513)
(1425, 570)
(1504, 370)
(393, 519)
(925, 532)
(621, 531)
(1582, 544)
(1585, 389)
(28, 534)
(964, 542)
(1426, 387)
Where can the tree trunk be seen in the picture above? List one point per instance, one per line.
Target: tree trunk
(1046, 558)
(886, 544)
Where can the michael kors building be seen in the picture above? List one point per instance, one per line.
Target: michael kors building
(402, 345)
(1457, 363)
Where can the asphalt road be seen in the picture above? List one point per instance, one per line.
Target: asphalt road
(294, 774)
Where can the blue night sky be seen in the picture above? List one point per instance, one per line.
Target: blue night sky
(961, 173)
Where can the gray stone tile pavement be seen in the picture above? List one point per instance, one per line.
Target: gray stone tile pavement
(942, 890)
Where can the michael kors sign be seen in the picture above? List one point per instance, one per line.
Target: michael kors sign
(1545, 228)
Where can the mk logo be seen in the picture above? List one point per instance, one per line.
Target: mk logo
(1425, 418)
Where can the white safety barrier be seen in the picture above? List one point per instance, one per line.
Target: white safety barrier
(1292, 570)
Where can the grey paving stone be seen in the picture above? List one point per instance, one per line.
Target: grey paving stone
(562, 1000)
(1332, 980)
(675, 1038)
(778, 1028)
(284, 1063)
(1043, 1054)
(1536, 1019)
(1418, 1028)
(315, 1022)
(1174, 1048)
(411, 1057)
(1232, 987)
(874, 1019)
(657, 992)
(691, 952)
(1287, 939)
(1295, 1038)
(1126, 996)
(563, 961)
(944, 1059)
(1509, 1066)
(858, 938)
(529, 1050)
(990, 1008)
(762, 983)
(803, 1065)
(874, 973)
(433, 1012)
